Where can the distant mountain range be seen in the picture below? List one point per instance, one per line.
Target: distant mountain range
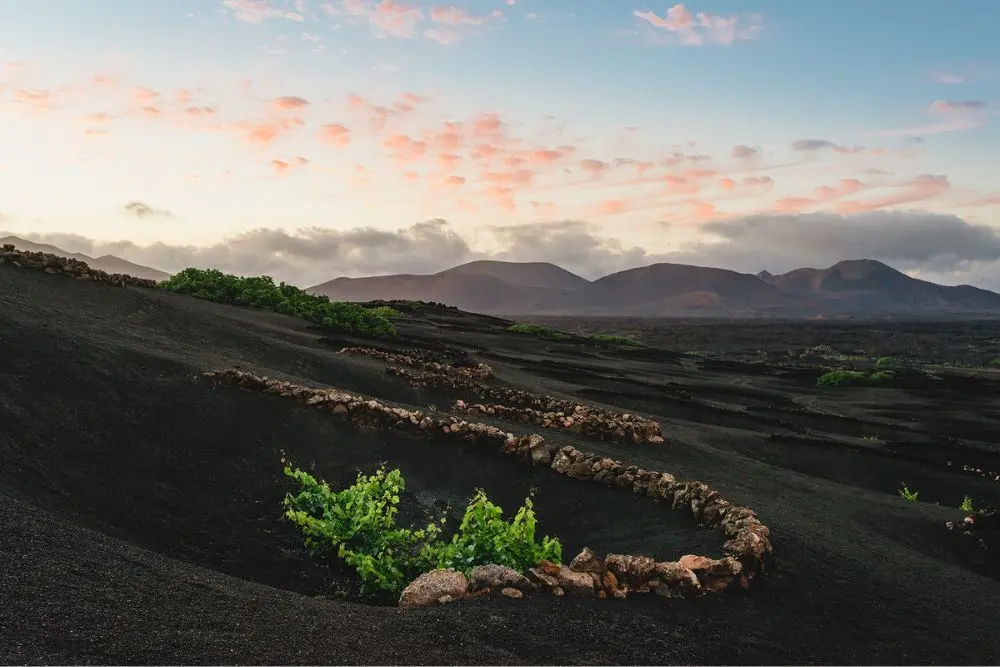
(861, 287)
(108, 263)
(858, 287)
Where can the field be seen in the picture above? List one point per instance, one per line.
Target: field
(141, 505)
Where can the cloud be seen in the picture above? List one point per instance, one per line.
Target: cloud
(931, 243)
(782, 242)
(141, 210)
(954, 116)
(814, 145)
(689, 29)
(741, 152)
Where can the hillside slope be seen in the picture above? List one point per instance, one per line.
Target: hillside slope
(108, 263)
(142, 519)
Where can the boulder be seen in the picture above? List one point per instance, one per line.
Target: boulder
(576, 584)
(587, 561)
(633, 571)
(432, 587)
(500, 577)
(673, 579)
(512, 593)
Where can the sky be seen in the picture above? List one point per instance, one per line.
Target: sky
(311, 139)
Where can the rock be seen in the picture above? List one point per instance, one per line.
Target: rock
(695, 563)
(576, 584)
(587, 561)
(512, 593)
(609, 582)
(431, 587)
(542, 579)
(634, 571)
(678, 579)
(498, 576)
(549, 568)
(558, 592)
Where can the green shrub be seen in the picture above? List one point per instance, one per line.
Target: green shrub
(993, 362)
(613, 339)
(358, 526)
(887, 362)
(538, 331)
(905, 493)
(966, 505)
(262, 292)
(485, 537)
(842, 378)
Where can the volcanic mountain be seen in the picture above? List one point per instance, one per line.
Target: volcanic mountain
(108, 263)
(482, 286)
(861, 287)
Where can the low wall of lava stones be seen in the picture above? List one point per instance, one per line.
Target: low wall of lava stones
(67, 266)
(473, 372)
(547, 411)
(748, 541)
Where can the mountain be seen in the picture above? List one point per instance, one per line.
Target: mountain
(484, 286)
(666, 289)
(108, 263)
(523, 274)
(862, 287)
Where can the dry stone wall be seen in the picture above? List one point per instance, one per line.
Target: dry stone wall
(749, 541)
(472, 372)
(67, 266)
(583, 420)
(615, 576)
(546, 411)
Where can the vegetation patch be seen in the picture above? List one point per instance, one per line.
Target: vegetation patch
(358, 526)
(538, 330)
(262, 292)
(843, 378)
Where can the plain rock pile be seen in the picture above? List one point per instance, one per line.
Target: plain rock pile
(524, 406)
(587, 576)
(974, 526)
(474, 372)
(582, 420)
(749, 540)
(67, 266)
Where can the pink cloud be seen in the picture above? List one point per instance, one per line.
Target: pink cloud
(336, 134)
(143, 95)
(702, 28)
(289, 102)
(923, 187)
(612, 207)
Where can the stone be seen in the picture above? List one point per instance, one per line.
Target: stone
(541, 579)
(634, 571)
(609, 582)
(678, 579)
(587, 561)
(431, 587)
(576, 584)
(498, 576)
(558, 592)
(549, 568)
(512, 593)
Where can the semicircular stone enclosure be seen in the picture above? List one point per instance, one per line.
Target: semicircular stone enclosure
(746, 543)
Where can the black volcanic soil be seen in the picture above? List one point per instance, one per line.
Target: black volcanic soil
(141, 509)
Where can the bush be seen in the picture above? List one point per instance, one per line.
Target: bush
(484, 537)
(966, 505)
(358, 526)
(262, 292)
(886, 362)
(905, 493)
(613, 339)
(843, 378)
(537, 330)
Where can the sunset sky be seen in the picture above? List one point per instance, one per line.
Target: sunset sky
(312, 139)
